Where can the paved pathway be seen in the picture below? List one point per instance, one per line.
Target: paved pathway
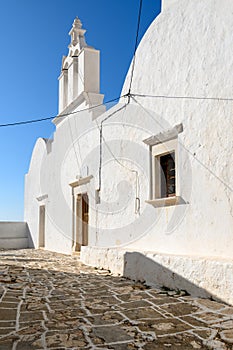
(52, 301)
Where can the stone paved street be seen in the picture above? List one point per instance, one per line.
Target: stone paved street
(52, 301)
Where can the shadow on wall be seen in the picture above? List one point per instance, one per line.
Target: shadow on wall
(141, 268)
(30, 240)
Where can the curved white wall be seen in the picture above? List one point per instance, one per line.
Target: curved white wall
(185, 52)
(33, 189)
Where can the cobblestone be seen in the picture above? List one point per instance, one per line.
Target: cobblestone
(53, 301)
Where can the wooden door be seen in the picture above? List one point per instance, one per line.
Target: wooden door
(41, 226)
(85, 217)
(82, 212)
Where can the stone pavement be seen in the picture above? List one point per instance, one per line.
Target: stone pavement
(53, 301)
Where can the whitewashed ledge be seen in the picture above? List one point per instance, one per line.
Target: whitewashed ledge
(14, 235)
(199, 276)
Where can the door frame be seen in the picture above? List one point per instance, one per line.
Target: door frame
(81, 221)
(79, 188)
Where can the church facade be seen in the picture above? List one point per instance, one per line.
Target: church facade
(145, 188)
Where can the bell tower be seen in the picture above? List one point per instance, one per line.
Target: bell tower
(79, 81)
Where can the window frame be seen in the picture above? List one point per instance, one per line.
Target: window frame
(160, 145)
(157, 152)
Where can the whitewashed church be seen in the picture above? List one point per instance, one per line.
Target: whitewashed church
(145, 189)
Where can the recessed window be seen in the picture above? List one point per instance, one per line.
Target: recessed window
(168, 175)
(164, 169)
(164, 178)
(164, 173)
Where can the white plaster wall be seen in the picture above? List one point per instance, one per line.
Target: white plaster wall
(51, 173)
(187, 50)
(198, 276)
(182, 54)
(75, 152)
(70, 82)
(91, 70)
(33, 189)
(167, 3)
(113, 222)
(81, 69)
(14, 235)
(63, 90)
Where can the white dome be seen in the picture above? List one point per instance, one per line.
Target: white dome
(187, 51)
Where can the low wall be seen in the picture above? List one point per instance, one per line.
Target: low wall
(199, 276)
(14, 235)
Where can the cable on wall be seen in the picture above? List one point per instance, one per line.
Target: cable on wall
(101, 142)
(137, 184)
(116, 99)
(60, 115)
(185, 97)
(135, 49)
(187, 150)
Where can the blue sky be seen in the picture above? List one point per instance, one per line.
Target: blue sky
(33, 39)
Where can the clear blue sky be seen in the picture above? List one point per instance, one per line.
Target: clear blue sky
(33, 38)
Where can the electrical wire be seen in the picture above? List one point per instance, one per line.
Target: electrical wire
(135, 47)
(184, 97)
(187, 150)
(101, 142)
(73, 143)
(137, 190)
(116, 99)
(60, 115)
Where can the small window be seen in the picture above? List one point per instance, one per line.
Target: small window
(164, 168)
(168, 175)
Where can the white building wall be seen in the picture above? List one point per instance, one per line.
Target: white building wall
(81, 68)
(33, 189)
(70, 82)
(14, 235)
(178, 56)
(63, 90)
(114, 222)
(187, 60)
(198, 276)
(91, 70)
(187, 55)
